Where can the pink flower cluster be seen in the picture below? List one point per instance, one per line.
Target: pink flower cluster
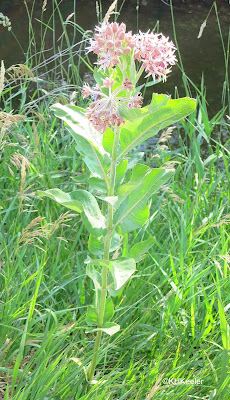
(104, 109)
(156, 53)
(110, 42)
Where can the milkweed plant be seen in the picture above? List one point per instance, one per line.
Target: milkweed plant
(120, 188)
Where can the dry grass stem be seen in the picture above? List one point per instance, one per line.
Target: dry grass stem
(154, 388)
(166, 135)
(110, 11)
(36, 232)
(44, 5)
(2, 77)
(19, 71)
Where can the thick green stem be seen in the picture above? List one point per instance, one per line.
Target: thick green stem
(106, 257)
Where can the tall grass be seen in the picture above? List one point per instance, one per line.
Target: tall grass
(174, 313)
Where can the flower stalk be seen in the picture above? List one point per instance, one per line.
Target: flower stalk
(108, 237)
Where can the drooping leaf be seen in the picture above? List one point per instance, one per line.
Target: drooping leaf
(134, 133)
(110, 199)
(107, 140)
(95, 275)
(91, 316)
(132, 114)
(79, 124)
(82, 202)
(120, 172)
(96, 245)
(121, 270)
(109, 327)
(89, 141)
(109, 310)
(139, 249)
(92, 312)
(133, 212)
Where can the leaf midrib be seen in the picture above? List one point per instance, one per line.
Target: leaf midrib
(130, 210)
(143, 133)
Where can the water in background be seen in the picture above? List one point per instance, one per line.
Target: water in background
(200, 56)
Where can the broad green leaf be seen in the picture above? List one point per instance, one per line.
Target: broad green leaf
(79, 124)
(110, 199)
(92, 312)
(95, 275)
(139, 172)
(133, 212)
(136, 132)
(107, 140)
(109, 310)
(158, 100)
(80, 201)
(96, 245)
(99, 75)
(139, 249)
(134, 158)
(109, 327)
(98, 184)
(120, 172)
(89, 141)
(96, 163)
(91, 316)
(121, 270)
(83, 178)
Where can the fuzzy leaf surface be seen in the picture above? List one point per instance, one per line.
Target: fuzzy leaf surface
(139, 249)
(109, 327)
(135, 132)
(121, 270)
(89, 141)
(134, 212)
(83, 202)
(96, 245)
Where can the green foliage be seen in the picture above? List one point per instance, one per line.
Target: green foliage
(80, 201)
(173, 314)
(133, 210)
(96, 245)
(161, 113)
(121, 270)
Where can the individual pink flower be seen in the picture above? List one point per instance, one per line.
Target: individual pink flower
(109, 43)
(86, 92)
(136, 101)
(127, 84)
(108, 82)
(156, 53)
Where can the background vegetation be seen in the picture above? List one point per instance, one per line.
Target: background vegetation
(174, 313)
